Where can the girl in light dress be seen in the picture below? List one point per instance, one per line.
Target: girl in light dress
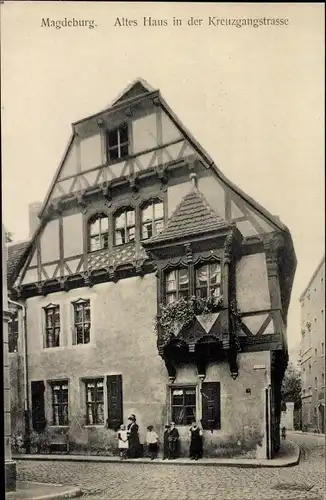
(123, 441)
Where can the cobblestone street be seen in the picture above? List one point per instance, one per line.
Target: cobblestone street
(144, 482)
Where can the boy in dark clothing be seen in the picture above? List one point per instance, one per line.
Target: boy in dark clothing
(166, 449)
(173, 441)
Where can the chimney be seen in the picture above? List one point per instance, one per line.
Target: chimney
(33, 211)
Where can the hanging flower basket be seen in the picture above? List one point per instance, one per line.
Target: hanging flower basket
(180, 314)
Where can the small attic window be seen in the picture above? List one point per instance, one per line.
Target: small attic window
(118, 143)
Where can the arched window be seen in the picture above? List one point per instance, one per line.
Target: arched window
(208, 280)
(98, 232)
(124, 226)
(152, 219)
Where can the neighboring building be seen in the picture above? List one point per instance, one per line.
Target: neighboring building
(313, 351)
(10, 465)
(287, 417)
(138, 215)
(295, 356)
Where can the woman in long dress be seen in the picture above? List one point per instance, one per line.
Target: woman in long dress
(133, 437)
(196, 442)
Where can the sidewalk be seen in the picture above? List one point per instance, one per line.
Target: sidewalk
(28, 490)
(288, 456)
(318, 434)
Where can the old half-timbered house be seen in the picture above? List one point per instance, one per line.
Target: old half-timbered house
(154, 286)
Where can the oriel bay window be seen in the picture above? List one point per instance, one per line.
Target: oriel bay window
(98, 232)
(52, 325)
(183, 405)
(124, 226)
(94, 401)
(152, 219)
(82, 321)
(208, 280)
(176, 285)
(118, 143)
(60, 402)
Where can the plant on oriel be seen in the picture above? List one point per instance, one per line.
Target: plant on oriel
(181, 313)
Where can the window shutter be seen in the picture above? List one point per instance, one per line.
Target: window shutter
(38, 413)
(115, 408)
(211, 405)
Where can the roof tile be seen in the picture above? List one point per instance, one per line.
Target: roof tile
(191, 217)
(15, 252)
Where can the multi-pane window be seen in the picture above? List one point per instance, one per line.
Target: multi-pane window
(94, 402)
(208, 280)
(124, 226)
(183, 405)
(176, 285)
(316, 383)
(82, 321)
(60, 402)
(152, 219)
(13, 331)
(118, 142)
(98, 232)
(52, 325)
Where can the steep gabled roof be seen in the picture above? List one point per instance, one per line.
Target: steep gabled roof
(321, 262)
(192, 216)
(135, 90)
(15, 256)
(137, 87)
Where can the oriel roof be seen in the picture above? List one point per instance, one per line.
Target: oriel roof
(192, 216)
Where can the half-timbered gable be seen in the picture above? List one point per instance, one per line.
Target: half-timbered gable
(140, 225)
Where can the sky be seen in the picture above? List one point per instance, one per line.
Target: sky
(253, 97)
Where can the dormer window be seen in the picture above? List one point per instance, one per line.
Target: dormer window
(208, 280)
(98, 232)
(124, 226)
(152, 219)
(118, 143)
(177, 285)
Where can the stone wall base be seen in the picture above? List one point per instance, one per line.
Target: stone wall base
(10, 474)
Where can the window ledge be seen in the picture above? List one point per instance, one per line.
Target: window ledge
(91, 252)
(82, 345)
(60, 347)
(92, 426)
(58, 426)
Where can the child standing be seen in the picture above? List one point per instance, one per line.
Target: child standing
(166, 444)
(152, 442)
(123, 441)
(173, 441)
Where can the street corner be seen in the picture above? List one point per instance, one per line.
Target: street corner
(30, 490)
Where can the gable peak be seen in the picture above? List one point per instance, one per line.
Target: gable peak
(137, 87)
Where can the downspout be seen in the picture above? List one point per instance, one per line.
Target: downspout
(25, 371)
